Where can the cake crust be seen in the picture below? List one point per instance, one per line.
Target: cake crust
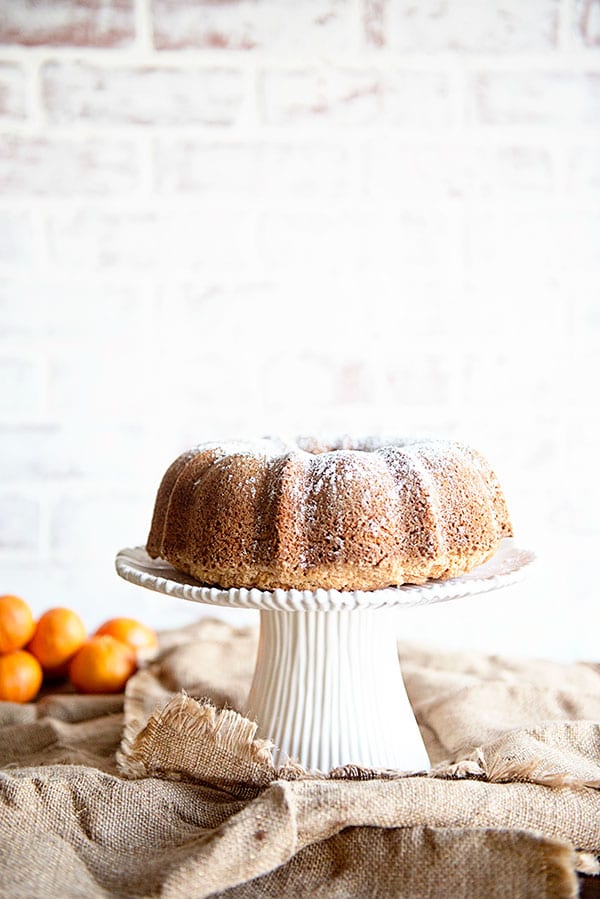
(343, 515)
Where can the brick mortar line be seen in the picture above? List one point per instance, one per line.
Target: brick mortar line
(24, 557)
(33, 100)
(144, 32)
(86, 486)
(41, 250)
(317, 134)
(459, 96)
(129, 276)
(24, 352)
(358, 32)
(183, 205)
(146, 169)
(560, 172)
(250, 114)
(565, 23)
(456, 410)
(554, 337)
(45, 528)
(444, 61)
(54, 276)
(45, 392)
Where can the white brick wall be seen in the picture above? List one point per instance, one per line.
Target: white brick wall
(342, 215)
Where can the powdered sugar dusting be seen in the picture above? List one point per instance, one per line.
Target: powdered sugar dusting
(367, 444)
(331, 473)
(260, 447)
(346, 511)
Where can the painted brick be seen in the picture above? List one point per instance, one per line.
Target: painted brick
(586, 23)
(53, 166)
(533, 245)
(417, 99)
(581, 384)
(109, 312)
(228, 378)
(523, 243)
(31, 452)
(399, 242)
(422, 379)
(20, 395)
(581, 501)
(535, 455)
(77, 23)
(92, 588)
(504, 26)
(73, 451)
(307, 241)
(520, 172)
(70, 309)
(219, 310)
(374, 22)
(582, 305)
(19, 523)
(152, 242)
(109, 521)
(354, 381)
(81, 92)
(535, 98)
(580, 243)
(531, 298)
(210, 168)
(308, 171)
(12, 93)
(493, 376)
(411, 173)
(406, 241)
(332, 96)
(230, 312)
(99, 383)
(304, 382)
(256, 169)
(20, 315)
(403, 306)
(583, 171)
(408, 173)
(16, 239)
(283, 26)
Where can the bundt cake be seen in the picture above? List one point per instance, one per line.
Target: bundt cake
(345, 515)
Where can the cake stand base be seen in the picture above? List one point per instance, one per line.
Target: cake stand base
(328, 691)
(327, 687)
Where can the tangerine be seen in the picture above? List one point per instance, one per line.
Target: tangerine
(102, 665)
(16, 623)
(141, 638)
(58, 635)
(20, 676)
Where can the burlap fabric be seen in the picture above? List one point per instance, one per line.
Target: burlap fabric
(173, 797)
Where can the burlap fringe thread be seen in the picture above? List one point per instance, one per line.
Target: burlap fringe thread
(197, 721)
(155, 750)
(510, 770)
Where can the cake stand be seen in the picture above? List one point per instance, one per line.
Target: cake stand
(327, 686)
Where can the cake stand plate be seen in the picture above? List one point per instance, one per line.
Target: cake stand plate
(327, 686)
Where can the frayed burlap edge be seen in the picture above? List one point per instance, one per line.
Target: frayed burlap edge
(183, 722)
(483, 765)
(191, 740)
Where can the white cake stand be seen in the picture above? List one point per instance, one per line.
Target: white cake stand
(327, 686)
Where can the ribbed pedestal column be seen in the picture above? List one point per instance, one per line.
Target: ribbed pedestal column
(328, 691)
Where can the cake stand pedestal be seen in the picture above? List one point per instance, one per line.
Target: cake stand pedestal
(327, 687)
